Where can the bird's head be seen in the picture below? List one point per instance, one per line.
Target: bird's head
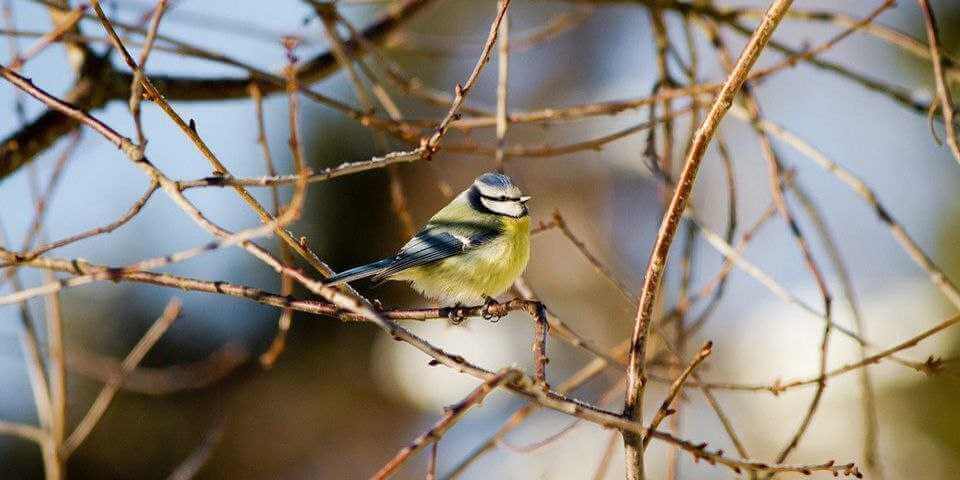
(496, 193)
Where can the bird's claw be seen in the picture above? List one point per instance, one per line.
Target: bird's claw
(455, 316)
(493, 310)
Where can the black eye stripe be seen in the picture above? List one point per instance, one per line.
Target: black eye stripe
(501, 198)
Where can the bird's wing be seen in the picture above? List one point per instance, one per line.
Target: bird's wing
(433, 244)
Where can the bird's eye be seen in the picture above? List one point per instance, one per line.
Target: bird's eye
(502, 198)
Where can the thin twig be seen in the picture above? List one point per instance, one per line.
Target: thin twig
(102, 402)
(192, 465)
(870, 441)
(60, 29)
(675, 389)
(668, 227)
(776, 176)
(605, 458)
(162, 380)
(451, 417)
(38, 380)
(907, 243)
(58, 366)
(136, 87)
(503, 92)
(461, 91)
(432, 466)
(269, 357)
(191, 133)
(126, 217)
(943, 87)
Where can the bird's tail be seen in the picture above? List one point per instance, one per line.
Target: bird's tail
(357, 273)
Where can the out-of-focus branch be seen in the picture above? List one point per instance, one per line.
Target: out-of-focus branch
(161, 380)
(99, 83)
(100, 404)
(676, 387)
(452, 415)
(939, 74)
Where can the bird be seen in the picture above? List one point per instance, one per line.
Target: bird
(469, 252)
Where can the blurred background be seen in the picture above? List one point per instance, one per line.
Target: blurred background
(343, 397)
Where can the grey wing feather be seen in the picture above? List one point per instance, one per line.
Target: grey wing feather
(431, 245)
(426, 247)
(357, 273)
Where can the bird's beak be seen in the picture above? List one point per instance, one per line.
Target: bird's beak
(525, 198)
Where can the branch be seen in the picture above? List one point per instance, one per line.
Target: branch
(675, 389)
(943, 88)
(99, 83)
(102, 402)
(636, 379)
(451, 417)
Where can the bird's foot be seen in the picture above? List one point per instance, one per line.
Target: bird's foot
(493, 310)
(455, 314)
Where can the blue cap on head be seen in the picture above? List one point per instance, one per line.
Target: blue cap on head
(495, 180)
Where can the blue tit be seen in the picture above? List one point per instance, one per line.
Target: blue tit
(470, 251)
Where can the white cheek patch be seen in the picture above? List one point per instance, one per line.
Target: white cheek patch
(513, 209)
(487, 190)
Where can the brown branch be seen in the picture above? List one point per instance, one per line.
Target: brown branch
(269, 357)
(110, 227)
(58, 375)
(60, 29)
(451, 417)
(636, 379)
(461, 91)
(191, 466)
(870, 443)
(523, 385)
(136, 84)
(539, 314)
(161, 380)
(99, 83)
(39, 387)
(503, 91)
(218, 167)
(26, 432)
(943, 87)
(675, 389)
(102, 402)
(907, 243)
